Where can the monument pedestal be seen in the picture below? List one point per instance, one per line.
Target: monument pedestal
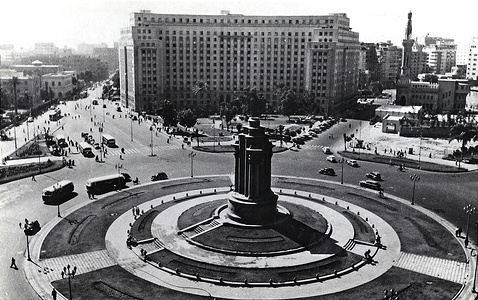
(244, 210)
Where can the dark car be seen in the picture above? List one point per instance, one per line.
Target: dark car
(327, 171)
(159, 176)
(374, 175)
(371, 184)
(127, 177)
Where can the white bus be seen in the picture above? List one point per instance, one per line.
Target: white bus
(108, 140)
(105, 183)
(58, 191)
(85, 149)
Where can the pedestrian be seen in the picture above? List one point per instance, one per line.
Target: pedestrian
(137, 211)
(13, 264)
(89, 194)
(53, 294)
(33, 178)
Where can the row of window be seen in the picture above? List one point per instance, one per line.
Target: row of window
(234, 33)
(234, 21)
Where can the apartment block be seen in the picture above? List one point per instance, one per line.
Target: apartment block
(163, 56)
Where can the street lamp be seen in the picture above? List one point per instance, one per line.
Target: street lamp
(151, 130)
(469, 210)
(70, 273)
(390, 295)
(342, 178)
(26, 230)
(414, 178)
(191, 155)
(131, 117)
(100, 129)
(474, 253)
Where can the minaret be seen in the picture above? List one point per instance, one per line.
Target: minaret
(407, 50)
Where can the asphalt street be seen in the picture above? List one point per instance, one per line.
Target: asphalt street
(445, 194)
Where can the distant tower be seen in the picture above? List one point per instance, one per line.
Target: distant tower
(407, 50)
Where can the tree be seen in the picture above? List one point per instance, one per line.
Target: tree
(288, 100)
(169, 114)
(376, 87)
(464, 133)
(187, 118)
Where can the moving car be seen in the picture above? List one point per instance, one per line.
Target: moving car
(327, 171)
(374, 175)
(331, 158)
(371, 184)
(159, 176)
(353, 163)
(327, 150)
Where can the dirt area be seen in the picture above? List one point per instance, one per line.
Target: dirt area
(438, 148)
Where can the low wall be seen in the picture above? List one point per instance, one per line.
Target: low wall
(431, 132)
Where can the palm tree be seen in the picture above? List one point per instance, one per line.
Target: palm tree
(464, 133)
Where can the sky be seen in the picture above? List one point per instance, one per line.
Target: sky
(72, 22)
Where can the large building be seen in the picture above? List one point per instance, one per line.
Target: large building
(45, 49)
(472, 67)
(390, 60)
(162, 57)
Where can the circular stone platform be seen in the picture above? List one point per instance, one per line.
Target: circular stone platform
(194, 248)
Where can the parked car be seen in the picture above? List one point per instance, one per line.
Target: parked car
(327, 150)
(127, 177)
(374, 175)
(371, 184)
(331, 158)
(159, 176)
(353, 163)
(327, 171)
(298, 141)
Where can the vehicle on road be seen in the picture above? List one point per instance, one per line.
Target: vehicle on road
(371, 184)
(353, 163)
(108, 140)
(94, 102)
(61, 140)
(118, 109)
(327, 171)
(105, 183)
(327, 150)
(331, 158)
(159, 176)
(127, 177)
(58, 191)
(374, 175)
(85, 149)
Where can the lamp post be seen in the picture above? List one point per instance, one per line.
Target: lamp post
(191, 155)
(469, 210)
(151, 130)
(131, 118)
(100, 129)
(414, 178)
(25, 228)
(342, 178)
(474, 253)
(70, 273)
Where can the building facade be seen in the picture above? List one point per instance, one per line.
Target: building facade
(472, 63)
(162, 57)
(27, 89)
(58, 85)
(390, 60)
(45, 49)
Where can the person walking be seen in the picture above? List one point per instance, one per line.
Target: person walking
(53, 294)
(33, 178)
(13, 264)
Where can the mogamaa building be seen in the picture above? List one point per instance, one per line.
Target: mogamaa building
(162, 56)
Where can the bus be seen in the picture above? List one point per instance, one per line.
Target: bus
(58, 191)
(54, 114)
(85, 149)
(108, 140)
(105, 183)
(61, 140)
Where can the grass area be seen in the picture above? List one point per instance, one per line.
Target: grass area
(407, 163)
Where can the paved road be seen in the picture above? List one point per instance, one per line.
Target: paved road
(445, 194)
